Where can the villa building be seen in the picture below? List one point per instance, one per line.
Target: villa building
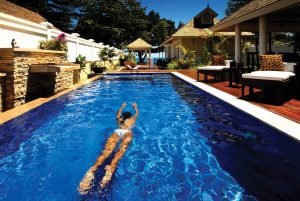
(194, 36)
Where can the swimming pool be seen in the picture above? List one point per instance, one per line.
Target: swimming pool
(187, 145)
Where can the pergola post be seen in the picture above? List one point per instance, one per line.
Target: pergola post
(237, 50)
(149, 58)
(263, 34)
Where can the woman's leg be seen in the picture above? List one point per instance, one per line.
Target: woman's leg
(111, 143)
(110, 169)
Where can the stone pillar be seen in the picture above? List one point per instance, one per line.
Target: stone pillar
(237, 49)
(63, 80)
(263, 34)
(17, 67)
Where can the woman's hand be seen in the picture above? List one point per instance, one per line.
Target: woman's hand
(124, 105)
(134, 105)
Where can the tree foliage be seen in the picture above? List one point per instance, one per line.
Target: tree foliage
(119, 22)
(61, 13)
(113, 22)
(234, 5)
(180, 25)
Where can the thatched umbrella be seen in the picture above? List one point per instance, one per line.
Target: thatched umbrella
(140, 45)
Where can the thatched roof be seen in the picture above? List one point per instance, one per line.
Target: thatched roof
(139, 44)
(20, 12)
(188, 31)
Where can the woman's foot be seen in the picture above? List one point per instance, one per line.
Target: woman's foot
(107, 176)
(86, 182)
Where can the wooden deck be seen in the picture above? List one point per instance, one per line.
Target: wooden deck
(290, 109)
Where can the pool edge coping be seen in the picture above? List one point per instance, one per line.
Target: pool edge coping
(18, 111)
(270, 118)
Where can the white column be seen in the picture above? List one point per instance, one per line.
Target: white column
(77, 43)
(49, 27)
(150, 58)
(237, 49)
(179, 49)
(263, 34)
(92, 41)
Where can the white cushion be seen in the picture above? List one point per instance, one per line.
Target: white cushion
(128, 66)
(269, 75)
(216, 68)
(227, 62)
(288, 66)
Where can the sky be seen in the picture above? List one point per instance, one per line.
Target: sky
(183, 10)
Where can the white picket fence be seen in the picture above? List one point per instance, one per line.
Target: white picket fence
(28, 34)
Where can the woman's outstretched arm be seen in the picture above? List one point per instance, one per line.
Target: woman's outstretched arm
(134, 105)
(120, 111)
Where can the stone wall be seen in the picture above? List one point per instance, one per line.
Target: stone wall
(63, 80)
(19, 83)
(2, 79)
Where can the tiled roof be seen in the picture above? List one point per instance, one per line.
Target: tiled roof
(248, 8)
(139, 44)
(20, 12)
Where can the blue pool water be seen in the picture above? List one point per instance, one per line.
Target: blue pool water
(187, 145)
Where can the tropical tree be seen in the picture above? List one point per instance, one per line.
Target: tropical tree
(180, 25)
(113, 22)
(61, 13)
(234, 5)
(106, 54)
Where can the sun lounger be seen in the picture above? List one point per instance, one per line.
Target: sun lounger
(270, 82)
(130, 66)
(214, 70)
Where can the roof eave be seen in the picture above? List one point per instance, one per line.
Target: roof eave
(227, 26)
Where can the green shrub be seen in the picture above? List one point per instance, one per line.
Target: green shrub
(162, 64)
(130, 57)
(186, 62)
(172, 66)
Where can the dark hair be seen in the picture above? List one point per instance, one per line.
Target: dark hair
(126, 115)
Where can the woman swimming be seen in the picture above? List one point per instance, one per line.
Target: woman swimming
(125, 123)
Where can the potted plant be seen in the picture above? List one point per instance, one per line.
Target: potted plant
(122, 59)
(106, 54)
(130, 57)
(81, 60)
(96, 68)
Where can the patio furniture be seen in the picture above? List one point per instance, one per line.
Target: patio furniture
(216, 71)
(275, 84)
(235, 71)
(130, 66)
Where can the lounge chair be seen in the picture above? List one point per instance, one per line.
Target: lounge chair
(271, 81)
(130, 66)
(214, 70)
